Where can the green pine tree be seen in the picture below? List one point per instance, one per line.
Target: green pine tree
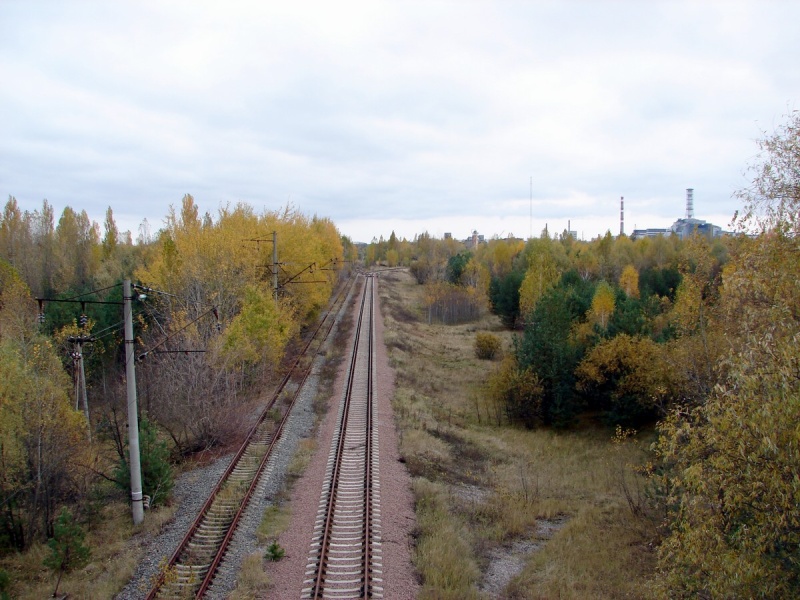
(67, 550)
(157, 475)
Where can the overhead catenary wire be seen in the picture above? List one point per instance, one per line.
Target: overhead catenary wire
(212, 310)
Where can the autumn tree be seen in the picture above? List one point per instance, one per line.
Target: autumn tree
(517, 392)
(451, 304)
(629, 281)
(730, 463)
(227, 264)
(627, 377)
(603, 304)
(541, 274)
(111, 236)
(772, 200)
(431, 257)
(76, 239)
(42, 438)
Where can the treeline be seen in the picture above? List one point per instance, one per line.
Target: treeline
(614, 326)
(699, 336)
(209, 335)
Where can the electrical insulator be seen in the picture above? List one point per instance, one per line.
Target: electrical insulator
(41, 318)
(84, 320)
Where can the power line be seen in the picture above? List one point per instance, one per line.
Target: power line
(165, 340)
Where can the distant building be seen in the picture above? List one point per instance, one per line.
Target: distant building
(477, 238)
(652, 232)
(684, 228)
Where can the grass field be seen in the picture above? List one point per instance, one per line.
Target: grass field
(560, 507)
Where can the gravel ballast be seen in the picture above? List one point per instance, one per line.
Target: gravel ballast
(397, 512)
(192, 488)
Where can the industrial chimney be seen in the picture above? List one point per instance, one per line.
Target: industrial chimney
(622, 215)
(689, 203)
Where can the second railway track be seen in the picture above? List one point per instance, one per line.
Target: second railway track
(193, 565)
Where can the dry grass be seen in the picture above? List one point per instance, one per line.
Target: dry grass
(481, 483)
(113, 562)
(273, 523)
(251, 581)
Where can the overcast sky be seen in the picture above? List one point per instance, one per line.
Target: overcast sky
(406, 116)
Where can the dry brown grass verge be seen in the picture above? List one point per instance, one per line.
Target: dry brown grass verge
(116, 551)
(482, 485)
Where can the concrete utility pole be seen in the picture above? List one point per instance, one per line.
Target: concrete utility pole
(137, 505)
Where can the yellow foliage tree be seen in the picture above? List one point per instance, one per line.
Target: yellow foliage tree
(626, 375)
(541, 275)
(602, 304)
(730, 464)
(227, 263)
(629, 281)
(42, 439)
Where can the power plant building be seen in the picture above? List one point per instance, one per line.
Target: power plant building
(685, 227)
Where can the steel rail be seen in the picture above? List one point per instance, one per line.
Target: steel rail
(353, 561)
(337, 466)
(249, 438)
(368, 480)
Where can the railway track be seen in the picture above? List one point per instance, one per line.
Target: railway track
(345, 558)
(191, 569)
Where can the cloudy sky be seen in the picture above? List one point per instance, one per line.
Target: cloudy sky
(410, 116)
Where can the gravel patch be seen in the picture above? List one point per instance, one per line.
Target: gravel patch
(190, 493)
(508, 561)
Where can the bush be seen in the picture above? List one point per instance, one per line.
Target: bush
(487, 346)
(274, 552)
(517, 391)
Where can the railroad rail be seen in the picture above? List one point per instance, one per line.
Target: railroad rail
(345, 559)
(190, 570)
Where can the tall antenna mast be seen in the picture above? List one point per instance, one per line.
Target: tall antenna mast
(530, 218)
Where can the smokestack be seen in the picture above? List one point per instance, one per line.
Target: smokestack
(689, 203)
(622, 215)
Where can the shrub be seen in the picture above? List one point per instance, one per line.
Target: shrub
(487, 346)
(518, 391)
(274, 552)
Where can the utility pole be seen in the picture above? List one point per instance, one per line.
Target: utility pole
(80, 376)
(275, 265)
(137, 505)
